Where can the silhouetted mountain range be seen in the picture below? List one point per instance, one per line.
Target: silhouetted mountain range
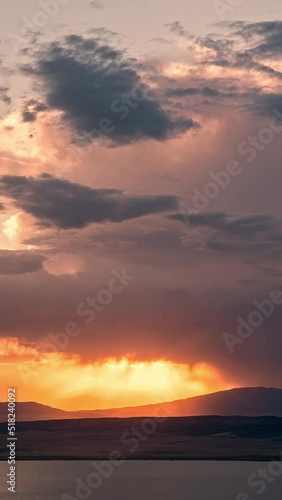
(252, 401)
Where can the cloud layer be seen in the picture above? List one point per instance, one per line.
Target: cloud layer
(12, 262)
(68, 205)
(100, 92)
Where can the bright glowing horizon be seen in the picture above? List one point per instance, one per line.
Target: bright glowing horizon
(66, 382)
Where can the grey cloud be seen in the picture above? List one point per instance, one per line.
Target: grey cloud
(28, 116)
(264, 104)
(228, 223)
(17, 262)
(89, 82)
(4, 95)
(260, 39)
(105, 34)
(263, 39)
(191, 91)
(266, 37)
(245, 60)
(251, 237)
(68, 205)
(258, 42)
(96, 4)
(179, 30)
(31, 109)
(221, 46)
(163, 41)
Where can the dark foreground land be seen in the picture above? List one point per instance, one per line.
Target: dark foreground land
(180, 438)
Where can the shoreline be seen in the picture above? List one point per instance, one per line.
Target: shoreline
(149, 459)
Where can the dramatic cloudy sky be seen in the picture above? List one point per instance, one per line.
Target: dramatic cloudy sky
(116, 120)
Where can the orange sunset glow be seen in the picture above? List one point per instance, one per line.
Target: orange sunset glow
(57, 379)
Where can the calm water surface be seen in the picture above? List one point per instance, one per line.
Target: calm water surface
(139, 480)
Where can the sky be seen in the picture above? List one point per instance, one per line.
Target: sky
(140, 199)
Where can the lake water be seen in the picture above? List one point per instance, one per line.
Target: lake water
(142, 480)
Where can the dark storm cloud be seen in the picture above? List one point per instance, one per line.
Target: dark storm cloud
(16, 262)
(69, 205)
(168, 320)
(172, 323)
(91, 82)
